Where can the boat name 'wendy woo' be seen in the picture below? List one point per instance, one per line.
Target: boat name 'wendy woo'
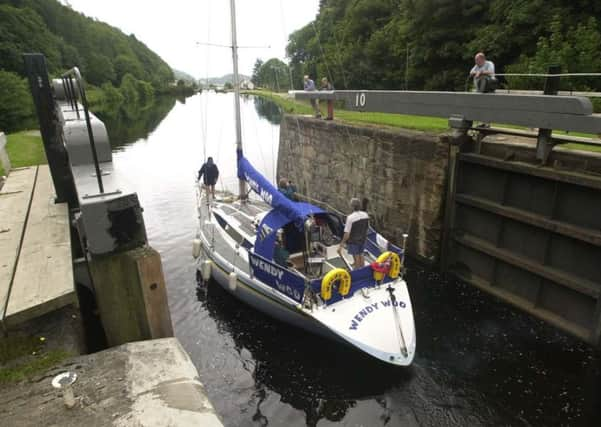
(287, 259)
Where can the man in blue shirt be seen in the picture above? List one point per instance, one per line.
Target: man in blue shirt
(310, 86)
(211, 173)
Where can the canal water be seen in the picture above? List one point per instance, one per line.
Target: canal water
(479, 362)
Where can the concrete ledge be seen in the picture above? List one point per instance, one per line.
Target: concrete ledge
(147, 383)
(4, 159)
(164, 387)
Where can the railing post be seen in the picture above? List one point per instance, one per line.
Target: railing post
(544, 142)
(56, 154)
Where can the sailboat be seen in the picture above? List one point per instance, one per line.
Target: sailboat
(368, 308)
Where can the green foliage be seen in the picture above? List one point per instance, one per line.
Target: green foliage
(576, 49)
(129, 89)
(228, 86)
(23, 30)
(145, 92)
(256, 69)
(16, 105)
(111, 95)
(273, 74)
(68, 38)
(430, 44)
(99, 69)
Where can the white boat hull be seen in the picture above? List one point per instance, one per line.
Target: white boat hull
(369, 321)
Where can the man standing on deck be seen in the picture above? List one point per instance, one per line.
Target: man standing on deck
(211, 173)
(310, 86)
(355, 233)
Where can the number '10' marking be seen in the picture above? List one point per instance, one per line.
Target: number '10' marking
(360, 100)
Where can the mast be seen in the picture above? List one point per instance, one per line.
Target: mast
(242, 183)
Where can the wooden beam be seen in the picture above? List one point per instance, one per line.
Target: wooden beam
(578, 284)
(580, 233)
(131, 295)
(549, 173)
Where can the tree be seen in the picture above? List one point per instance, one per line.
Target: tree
(256, 69)
(67, 39)
(16, 105)
(99, 69)
(129, 90)
(274, 75)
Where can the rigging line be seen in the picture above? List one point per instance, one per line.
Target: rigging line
(291, 83)
(337, 57)
(229, 46)
(285, 34)
(204, 123)
(258, 143)
(323, 54)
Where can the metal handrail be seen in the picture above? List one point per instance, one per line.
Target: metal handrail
(71, 96)
(550, 75)
(469, 77)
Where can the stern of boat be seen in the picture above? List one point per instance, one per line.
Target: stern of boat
(378, 321)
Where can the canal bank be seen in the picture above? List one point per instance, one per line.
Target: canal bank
(479, 361)
(73, 225)
(147, 383)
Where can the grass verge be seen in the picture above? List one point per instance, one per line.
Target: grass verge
(25, 149)
(22, 357)
(420, 123)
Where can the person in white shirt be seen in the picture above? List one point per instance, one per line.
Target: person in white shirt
(355, 233)
(484, 74)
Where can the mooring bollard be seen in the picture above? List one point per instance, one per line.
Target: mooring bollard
(64, 382)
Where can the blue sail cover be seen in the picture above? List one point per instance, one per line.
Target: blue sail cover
(284, 210)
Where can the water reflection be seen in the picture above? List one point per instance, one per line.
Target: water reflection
(479, 362)
(321, 378)
(128, 125)
(332, 384)
(268, 109)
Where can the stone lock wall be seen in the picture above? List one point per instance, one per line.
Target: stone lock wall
(402, 173)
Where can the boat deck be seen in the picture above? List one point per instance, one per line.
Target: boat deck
(242, 229)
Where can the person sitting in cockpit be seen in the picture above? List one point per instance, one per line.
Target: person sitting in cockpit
(281, 254)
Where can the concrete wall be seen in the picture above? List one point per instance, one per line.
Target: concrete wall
(4, 160)
(402, 173)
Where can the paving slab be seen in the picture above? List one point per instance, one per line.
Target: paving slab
(15, 198)
(43, 280)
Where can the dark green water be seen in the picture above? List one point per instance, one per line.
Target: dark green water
(479, 362)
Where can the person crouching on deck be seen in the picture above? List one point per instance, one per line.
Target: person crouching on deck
(355, 233)
(211, 174)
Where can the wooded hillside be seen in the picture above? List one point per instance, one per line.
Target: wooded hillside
(125, 73)
(67, 38)
(430, 44)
